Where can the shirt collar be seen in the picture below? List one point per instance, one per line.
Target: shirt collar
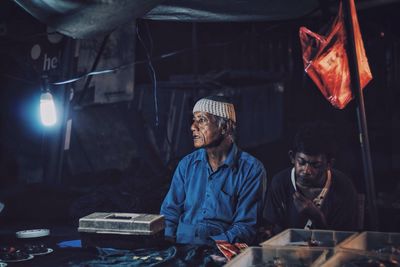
(231, 159)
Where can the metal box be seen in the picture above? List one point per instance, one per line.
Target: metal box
(121, 223)
(302, 237)
(271, 257)
(121, 230)
(378, 243)
(358, 259)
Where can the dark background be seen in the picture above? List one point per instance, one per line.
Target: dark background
(122, 152)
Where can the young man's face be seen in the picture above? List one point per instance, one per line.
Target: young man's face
(309, 169)
(205, 130)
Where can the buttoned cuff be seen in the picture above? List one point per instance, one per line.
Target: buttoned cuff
(170, 232)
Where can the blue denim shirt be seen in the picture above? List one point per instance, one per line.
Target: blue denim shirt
(202, 205)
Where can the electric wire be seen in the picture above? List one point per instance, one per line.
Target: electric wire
(152, 75)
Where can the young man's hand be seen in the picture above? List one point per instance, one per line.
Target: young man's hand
(307, 207)
(263, 234)
(303, 204)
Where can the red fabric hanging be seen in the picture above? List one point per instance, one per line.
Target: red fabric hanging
(325, 59)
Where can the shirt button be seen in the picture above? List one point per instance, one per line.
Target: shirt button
(204, 212)
(207, 195)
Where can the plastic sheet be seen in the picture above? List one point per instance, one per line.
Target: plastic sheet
(326, 62)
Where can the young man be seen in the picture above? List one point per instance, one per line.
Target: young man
(311, 194)
(216, 192)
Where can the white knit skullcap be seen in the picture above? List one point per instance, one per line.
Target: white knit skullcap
(217, 108)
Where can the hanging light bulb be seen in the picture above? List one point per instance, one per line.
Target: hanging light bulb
(48, 113)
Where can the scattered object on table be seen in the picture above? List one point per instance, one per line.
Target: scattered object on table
(32, 233)
(13, 254)
(230, 250)
(36, 249)
(49, 250)
(70, 244)
(137, 257)
(218, 259)
(315, 243)
(389, 249)
(29, 244)
(19, 258)
(276, 262)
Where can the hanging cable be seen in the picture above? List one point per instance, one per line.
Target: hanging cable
(94, 66)
(86, 75)
(148, 61)
(152, 75)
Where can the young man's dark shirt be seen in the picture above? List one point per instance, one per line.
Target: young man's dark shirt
(339, 206)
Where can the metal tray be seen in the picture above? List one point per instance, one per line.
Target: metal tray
(378, 243)
(302, 238)
(271, 257)
(354, 258)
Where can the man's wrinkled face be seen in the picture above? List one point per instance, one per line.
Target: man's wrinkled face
(309, 169)
(205, 130)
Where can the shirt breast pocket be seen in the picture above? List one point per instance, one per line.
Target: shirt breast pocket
(226, 202)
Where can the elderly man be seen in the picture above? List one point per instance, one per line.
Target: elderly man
(216, 192)
(311, 194)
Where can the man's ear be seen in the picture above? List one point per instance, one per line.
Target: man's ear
(291, 155)
(224, 129)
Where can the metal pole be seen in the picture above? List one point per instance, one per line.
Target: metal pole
(361, 118)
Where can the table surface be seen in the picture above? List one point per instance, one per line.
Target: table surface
(164, 254)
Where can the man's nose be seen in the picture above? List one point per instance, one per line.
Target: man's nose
(308, 169)
(193, 127)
